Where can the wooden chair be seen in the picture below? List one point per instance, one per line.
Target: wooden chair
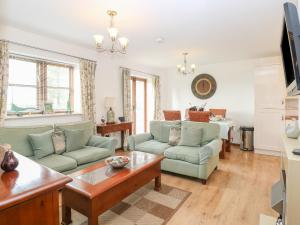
(198, 116)
(172, 114)
(218, 112)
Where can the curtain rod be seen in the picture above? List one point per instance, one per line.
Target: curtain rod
(46, 50)
(150, 74)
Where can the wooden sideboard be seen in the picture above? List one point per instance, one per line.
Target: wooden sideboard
(29, 195)
(122, 127)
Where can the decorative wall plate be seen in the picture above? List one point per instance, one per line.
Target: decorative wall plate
(204, 86)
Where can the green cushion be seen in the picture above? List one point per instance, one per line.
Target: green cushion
(210, 130)
(160, 130)
(75, 140)
(183, 153)
(87, 126)
(17, 137)
(152, 146)
(59, 163)
(190, 136)
(88, 154)
(42, 144)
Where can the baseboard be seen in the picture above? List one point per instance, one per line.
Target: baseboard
(267, 152)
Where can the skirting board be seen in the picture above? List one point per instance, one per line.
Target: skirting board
(267, 152)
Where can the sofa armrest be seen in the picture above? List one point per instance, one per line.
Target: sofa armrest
(210, 149)
(134, 140)
(103, 142)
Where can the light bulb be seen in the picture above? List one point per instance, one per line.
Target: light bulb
(182, 69)
(123, 42)
(193, 66)
(99, 40)
(113, 33)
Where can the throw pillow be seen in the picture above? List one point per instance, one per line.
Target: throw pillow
(42, 145)
(175, 134)
(75, 139)
(191, 136)
(59, 141)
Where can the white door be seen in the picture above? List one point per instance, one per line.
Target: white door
(269, 122)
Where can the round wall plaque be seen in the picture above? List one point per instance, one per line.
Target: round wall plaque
(204, 86)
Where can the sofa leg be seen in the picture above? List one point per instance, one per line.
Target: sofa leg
(203, 181)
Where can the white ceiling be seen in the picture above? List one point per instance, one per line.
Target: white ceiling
(210, 30)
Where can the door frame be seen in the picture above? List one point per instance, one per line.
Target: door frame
(134, 79)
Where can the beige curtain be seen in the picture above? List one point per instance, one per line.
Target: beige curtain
(87, 78)
(157, 104)
(127, 107)
(4, 57)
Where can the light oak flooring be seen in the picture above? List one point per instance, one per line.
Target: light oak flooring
(235, 194)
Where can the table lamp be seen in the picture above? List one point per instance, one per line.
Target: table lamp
(109, 103)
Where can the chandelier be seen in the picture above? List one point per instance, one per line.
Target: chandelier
(183, 69)
(118, 45)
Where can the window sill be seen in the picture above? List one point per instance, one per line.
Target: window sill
(42, 116)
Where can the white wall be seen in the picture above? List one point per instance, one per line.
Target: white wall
(235, 91)
(108, 78)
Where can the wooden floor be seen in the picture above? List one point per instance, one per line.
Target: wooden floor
(235, 194)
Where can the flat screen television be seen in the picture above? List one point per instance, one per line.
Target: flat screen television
(290, 48)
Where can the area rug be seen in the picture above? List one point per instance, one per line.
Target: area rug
(143, 207)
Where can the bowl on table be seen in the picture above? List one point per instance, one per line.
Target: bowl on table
(117, 161)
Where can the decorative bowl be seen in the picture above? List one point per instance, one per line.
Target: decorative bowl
(117, 161)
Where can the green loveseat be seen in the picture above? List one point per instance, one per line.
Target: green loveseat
(97, 148)
(197, 161)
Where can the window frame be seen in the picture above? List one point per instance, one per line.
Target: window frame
(42, 86)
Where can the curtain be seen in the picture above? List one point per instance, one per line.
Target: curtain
(4, 57)
(157, 104)
(87, 79)
(127, 107)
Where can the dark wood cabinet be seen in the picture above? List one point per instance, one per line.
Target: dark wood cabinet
(29, 195)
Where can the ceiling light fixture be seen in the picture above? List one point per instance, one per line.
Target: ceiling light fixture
(119, 45)
(183, 68)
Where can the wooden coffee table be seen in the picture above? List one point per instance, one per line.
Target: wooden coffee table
(97, 188)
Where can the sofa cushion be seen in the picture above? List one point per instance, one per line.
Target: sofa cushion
(191, 136)
(175, 135)
(59, 163)
(160, 130)
(88, 154)
(42, 144)
(87, 126)
(59, 142)
(152, 146)
(183, 153)
(17, 137)
(210, 130)
(74, 140)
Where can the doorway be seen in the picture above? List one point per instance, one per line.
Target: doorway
(139, 104)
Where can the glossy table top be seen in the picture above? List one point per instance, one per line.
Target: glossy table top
(99, 177)
(27, 181)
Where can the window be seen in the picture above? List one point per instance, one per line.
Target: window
(35, 83)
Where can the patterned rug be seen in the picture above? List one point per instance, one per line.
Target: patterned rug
(143, 207)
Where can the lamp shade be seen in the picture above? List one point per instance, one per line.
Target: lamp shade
(109, 102)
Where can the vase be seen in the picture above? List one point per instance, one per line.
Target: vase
(9, 161)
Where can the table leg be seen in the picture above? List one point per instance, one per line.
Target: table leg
(228, 148)
(157, 183)
(222, 153)
(122, 139)
(93, 220)
(66, 215)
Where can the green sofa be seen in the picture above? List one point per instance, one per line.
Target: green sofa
(97, 148)
(197, 161)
